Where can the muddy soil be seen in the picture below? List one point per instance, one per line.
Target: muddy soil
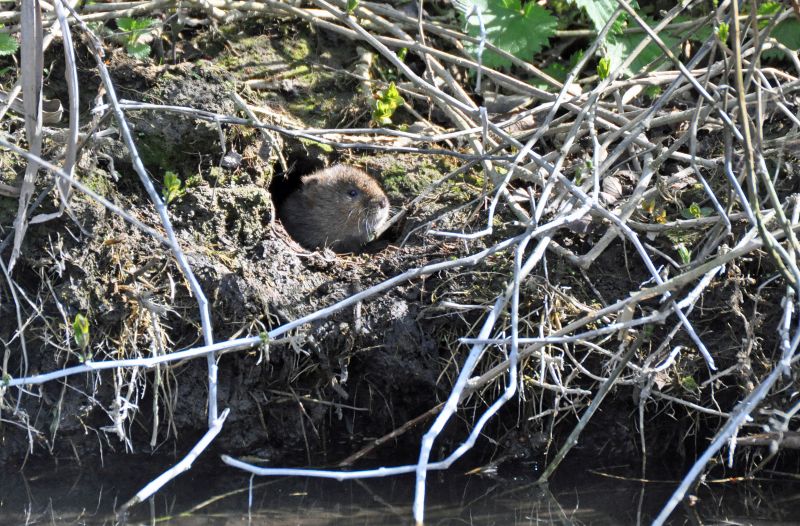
(335, 385)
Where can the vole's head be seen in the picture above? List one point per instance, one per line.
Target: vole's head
(353, 203)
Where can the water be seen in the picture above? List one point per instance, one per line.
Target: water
(213, 494)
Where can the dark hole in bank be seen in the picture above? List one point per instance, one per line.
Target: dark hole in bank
(284, 184)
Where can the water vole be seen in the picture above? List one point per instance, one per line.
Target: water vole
(339, 207)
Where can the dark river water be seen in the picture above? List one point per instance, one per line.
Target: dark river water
(214, 494)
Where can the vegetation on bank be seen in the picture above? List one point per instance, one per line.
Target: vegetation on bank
(595, 218)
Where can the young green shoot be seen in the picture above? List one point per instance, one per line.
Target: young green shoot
(80, 332)
(173, 187)
(684, 253)
(695, 211)
(386, 102)
(604, 68)
(722, 32)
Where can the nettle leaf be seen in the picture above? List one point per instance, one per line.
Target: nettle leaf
(125, 23)
(695, 34)
(619, 48)
(138, 50)
(520, 30)
(134, 26)
(8, 44)
(598, 11)
(788, 34)
(701, 34)
(141, 24)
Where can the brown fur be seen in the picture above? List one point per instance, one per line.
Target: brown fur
(339, 207)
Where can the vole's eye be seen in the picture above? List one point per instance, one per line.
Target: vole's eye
(352, 192)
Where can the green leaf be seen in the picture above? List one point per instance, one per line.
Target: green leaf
(695, 211)
(684, 253)
(651, 92)
(193, 181)
(141, 24)
(619, 47)
(172, 188)
(138, 50)
(603, 68)
(598, 11)
(693, 33)
(722, 32)
(521, 31)
(325, 148)
(351, 6)
(559, 70)
(385, 105)
(132, 29)
(788, 34)
(767, 9)
(689, 383)
(8, 44)
(80, 330)
(392, 96)
(83, 358)
(125, 23)
(382, 113)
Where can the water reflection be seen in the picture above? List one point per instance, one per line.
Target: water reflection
(215, 495)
